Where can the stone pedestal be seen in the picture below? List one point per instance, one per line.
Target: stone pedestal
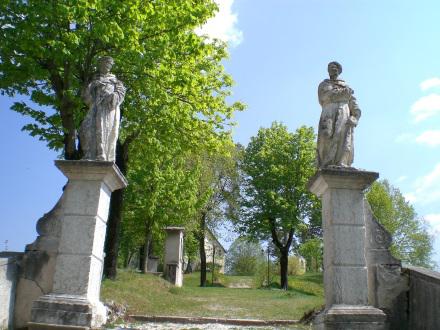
(173, 263)
(345, 266)
(74, 300)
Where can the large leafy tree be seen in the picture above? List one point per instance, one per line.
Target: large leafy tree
(277, 165)
(176, 86)
(217, 195)
(411, 240)
(162, 193)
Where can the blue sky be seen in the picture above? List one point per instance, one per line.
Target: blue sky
(390, 53)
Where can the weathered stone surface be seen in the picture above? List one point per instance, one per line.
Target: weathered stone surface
(66, 310)
(173, 261)
(346, 317)
(345, 265)
(37, 267)
(100, 129)
(152, 264)
(424, 298)
(74, 297)
(8, 280)
(387, 286)
(340, 115)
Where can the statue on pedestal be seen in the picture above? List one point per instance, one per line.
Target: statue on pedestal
(100, 129)
(340, 114)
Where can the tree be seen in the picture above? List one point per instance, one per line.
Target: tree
(244, 256)
(312, 251)
(277, 165)
(218, 191)
(176, 85)
(411, 241)
(163, 193)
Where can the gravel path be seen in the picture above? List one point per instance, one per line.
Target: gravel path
(210, 326)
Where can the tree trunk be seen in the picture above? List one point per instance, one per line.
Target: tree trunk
(202, 249)
(188, 269)
(112, 239)
(142, 259)
(284, 251)
(284, 262)
(111, 247)
(146, 253)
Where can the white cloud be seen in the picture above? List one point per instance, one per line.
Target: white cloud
(430, 83)
(425, 107)
(401, 178)
(434, 221)
(410, 197)
(405, 137)
(426, 188)
(431, 138)
(223, 25)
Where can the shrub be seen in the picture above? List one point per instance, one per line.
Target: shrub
(296, 265)
(261, 273)
(243, 257)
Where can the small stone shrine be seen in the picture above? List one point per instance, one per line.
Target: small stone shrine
(173, 263)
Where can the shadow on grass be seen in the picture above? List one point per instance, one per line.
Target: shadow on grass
(315, 278)
(291, 291)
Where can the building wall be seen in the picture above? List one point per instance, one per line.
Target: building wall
(220, 254)
(219, 257)
(8, 280)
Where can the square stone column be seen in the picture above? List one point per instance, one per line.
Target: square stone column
(345, 266)
(74, 300)
(173, 263)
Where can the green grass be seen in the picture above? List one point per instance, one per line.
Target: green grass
(147, 294)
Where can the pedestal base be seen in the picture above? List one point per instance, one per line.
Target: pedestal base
(346, 317)
(73, 302)
(67, 312)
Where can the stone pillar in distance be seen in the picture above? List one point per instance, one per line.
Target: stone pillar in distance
(74, 301)
(173, 263)
(345, 266)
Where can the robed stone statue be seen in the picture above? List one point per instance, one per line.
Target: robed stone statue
(339, 117)
(100, 129)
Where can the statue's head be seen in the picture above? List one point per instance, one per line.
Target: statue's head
(334, 69)
(105, 64)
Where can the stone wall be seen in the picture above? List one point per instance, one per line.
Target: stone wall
(424, 298)
(8, 280)
(387, 285)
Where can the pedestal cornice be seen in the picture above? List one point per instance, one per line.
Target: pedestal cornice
(340, 178)
(88, 170)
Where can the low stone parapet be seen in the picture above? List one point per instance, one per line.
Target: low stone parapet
(424, 298)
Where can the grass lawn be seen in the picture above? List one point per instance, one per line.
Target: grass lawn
(146, 294)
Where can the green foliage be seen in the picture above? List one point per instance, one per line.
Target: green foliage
(265, 273)
(411, 240)
(176, 86)
(277, 166)
(295, 266)
(312, 251)
(276, 203)
(243, 257)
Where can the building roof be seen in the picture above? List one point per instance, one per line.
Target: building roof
(216, 240)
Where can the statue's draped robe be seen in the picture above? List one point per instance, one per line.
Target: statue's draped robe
(335, 134)
(100, 128)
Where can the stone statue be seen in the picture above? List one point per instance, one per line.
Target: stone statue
(340, 114)
(100, 129)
